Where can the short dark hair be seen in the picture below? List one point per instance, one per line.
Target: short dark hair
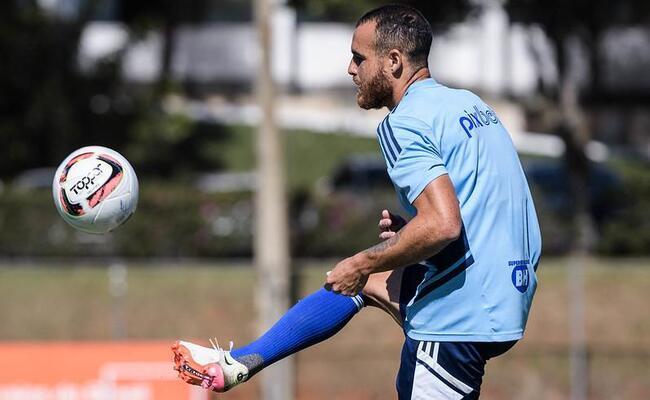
(403, 28)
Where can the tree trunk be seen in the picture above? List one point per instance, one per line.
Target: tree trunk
(574, 132)
(168, 45)
(595, 70)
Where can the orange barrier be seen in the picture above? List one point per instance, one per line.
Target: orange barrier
(91, 371)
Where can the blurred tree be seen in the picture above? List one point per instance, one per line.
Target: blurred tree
(170, 135)
(143, 16)
(46, 104)
(575, 30)
(583, 20)
(50, 107)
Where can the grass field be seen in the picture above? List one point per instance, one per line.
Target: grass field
(73, 302)
(309, 155)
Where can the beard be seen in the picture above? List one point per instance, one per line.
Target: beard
(374, 93)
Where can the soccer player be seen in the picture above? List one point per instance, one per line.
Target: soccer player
(459, 276)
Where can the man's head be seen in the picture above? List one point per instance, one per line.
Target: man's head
(390, 44)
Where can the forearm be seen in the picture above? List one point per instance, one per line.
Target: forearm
(436, 224)
(415, 242)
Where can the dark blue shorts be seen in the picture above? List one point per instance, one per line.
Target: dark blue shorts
(444, 370)
(441, 370)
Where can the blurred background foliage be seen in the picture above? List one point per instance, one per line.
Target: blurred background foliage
(49, 106)
(176, 219)
(169, 84)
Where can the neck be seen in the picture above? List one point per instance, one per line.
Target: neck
(401, 86)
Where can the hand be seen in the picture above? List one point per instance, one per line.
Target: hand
(346, 278)
(389, 224)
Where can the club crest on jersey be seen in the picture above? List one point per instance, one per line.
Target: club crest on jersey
(476, 118)
(520, 274)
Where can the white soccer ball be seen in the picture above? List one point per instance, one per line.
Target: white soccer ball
(95, 189)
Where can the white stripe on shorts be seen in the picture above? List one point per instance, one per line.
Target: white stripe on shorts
(428, 386)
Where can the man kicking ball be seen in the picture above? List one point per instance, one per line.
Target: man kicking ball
(459, 275)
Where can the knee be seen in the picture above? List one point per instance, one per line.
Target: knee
(381, 292)
(369, 290)
(376, 289)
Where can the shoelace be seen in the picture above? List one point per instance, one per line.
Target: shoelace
(215, 345)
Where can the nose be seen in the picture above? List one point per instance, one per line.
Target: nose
(352, 68)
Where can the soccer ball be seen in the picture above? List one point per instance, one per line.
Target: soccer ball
(95, 189)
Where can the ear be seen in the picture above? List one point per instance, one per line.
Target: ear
(395, 62)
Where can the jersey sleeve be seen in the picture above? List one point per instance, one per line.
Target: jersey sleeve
(418, 160)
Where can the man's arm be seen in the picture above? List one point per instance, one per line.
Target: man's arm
(436, 224)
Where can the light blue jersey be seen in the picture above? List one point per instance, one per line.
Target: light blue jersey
(480, 287)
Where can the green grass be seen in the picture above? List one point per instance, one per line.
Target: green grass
(309, 155)
(312, 155)
(203, 300)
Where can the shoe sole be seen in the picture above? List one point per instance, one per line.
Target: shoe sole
(209, 376)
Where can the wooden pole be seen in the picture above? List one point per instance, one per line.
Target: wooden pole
(271, 241)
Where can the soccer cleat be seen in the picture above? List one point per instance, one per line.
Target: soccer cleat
(211, 368)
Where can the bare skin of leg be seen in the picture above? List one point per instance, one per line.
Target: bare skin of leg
(383, 290)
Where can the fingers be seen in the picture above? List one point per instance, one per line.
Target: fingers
(385, 222)
(337, 287)
(344, 292)
(386, 235)
(328, 285)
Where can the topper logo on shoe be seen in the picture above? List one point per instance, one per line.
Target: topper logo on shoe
(211, 368)
(194, 372)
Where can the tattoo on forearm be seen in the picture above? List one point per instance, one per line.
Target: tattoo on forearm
(383, 246)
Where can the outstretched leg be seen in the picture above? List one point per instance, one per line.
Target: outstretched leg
(312, 320)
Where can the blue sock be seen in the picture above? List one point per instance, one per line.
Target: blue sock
(312, 320)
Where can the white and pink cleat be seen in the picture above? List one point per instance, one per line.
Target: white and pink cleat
(211, 368)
